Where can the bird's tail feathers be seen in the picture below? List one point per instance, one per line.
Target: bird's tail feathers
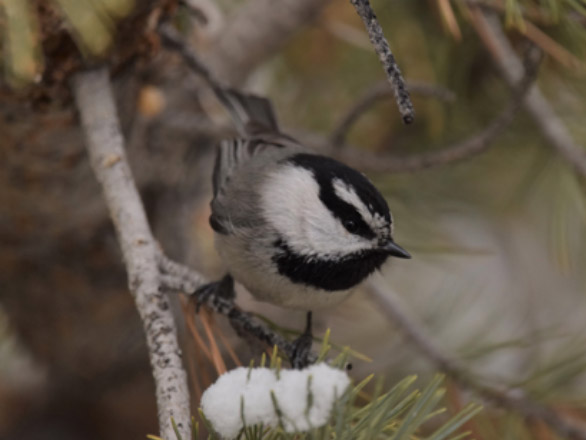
(251, 114)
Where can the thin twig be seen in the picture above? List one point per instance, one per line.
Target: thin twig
(552, 47)
(490, 30)
(173, 40)
(460, 151)
(514, 400)
(535, 13)
(179, 278)
(376, 93)
(465, 149)
(381, 46)
(105, 145)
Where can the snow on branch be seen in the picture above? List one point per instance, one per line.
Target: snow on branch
(297, 400)
(105, 145)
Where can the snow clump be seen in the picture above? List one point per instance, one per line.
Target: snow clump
(242, 396)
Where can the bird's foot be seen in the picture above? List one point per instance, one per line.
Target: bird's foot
(302, 347)
(214, 292)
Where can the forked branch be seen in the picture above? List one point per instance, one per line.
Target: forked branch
(178, 278)
(105, 146)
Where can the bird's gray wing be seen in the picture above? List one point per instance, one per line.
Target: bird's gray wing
(241, 163)
(234, 154)
(241, 166)
(251, 114)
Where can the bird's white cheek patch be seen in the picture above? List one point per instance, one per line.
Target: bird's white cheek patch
(290, 203)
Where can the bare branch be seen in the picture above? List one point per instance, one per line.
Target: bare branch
(179, 278)
(514, 400)
(173, 40)
(475, 144)
(105, 145)
(376, 93)
(469, 147)
(381, 46)
(491, 32)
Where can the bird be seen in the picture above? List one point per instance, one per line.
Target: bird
(296, 228)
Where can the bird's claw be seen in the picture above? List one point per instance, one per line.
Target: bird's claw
(302, 347)
(223, 288)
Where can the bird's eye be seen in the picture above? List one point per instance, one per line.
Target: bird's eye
(350, 225)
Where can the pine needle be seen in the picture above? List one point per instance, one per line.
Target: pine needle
(189, 314)
(228, 346)
(553, 48)
(207, 321)
(449, 18)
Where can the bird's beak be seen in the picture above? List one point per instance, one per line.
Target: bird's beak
(395, 250)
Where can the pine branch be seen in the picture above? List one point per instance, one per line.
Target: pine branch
(513, 400)
(105, 145)
(553, 129)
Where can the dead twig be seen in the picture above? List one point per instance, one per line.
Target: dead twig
(514, 400)
(552, 47)
(179, 278)
(381, 46)
(469, 147)
(173, 40)
(105, 145)
(490, 30)
(377, 93)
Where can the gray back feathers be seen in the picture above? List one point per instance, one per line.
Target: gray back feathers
(236, 176)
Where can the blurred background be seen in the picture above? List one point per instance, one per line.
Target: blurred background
(498, 238)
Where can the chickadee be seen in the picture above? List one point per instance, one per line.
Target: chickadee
(297, 229)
